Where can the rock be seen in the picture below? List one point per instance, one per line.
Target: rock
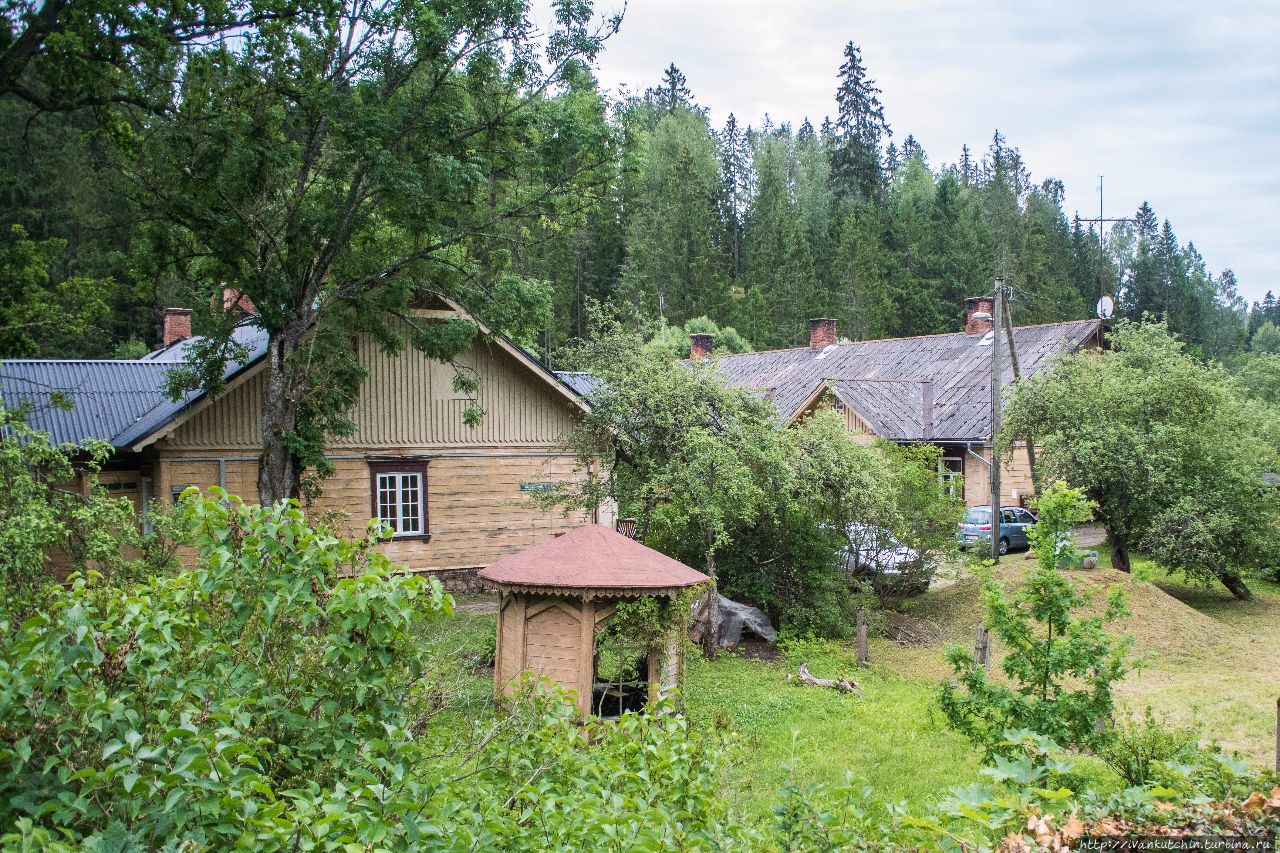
(736, 618)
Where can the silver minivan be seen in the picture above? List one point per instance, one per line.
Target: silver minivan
(1014, 523)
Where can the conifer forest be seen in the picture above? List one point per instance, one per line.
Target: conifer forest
(754, 226)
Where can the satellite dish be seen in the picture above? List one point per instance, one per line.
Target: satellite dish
(1106, 307)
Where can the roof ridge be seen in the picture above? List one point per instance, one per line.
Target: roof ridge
(907, 338)
(142, 361)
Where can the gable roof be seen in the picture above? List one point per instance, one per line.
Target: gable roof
(886, 381)
(123, 402)
(593, 558)
(115, 401)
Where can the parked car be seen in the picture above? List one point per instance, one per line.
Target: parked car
(1014, 523)
(889, 566)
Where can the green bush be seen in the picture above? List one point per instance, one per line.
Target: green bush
(1135, 748)
(1060, 665)
(239, 700)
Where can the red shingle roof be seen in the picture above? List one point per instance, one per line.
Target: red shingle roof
(593, 557)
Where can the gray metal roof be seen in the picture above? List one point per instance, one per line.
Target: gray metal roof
(121, 402)
(884, 380)
(584, 384)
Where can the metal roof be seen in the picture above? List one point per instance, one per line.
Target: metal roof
(584, 384)
(121, 402)
(884, 380)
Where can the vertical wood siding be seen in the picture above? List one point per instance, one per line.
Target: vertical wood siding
(408, 400)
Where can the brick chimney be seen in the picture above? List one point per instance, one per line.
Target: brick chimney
(822, 333)
(231, 296)
(177, 324)
(700, 344)
(976, 305)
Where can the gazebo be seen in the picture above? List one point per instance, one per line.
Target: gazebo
(555, 598)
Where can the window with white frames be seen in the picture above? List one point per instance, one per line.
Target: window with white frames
(399, 498)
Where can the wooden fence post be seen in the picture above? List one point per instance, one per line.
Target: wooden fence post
(1278, 734)
(982, 648)
(862, 636)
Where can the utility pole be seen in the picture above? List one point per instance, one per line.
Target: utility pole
(997, 322)
(1101, 220)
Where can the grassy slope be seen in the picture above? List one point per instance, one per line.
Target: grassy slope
(890, 736)
(1209, 660)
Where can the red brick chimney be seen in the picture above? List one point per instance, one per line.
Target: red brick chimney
(177, 324)
(822, 333)
(231, 296)
(977, 305)
(700, 344)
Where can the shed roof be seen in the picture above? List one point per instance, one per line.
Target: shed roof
(883, 380)
(596, 560)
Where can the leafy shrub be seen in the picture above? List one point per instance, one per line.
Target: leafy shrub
(240, 700)
(1059, 509)
(1134, 748)
(1060, 665)
(45, 520)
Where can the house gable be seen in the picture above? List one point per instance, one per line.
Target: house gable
(407, 401)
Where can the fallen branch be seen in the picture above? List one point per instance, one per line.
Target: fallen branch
(841, 684)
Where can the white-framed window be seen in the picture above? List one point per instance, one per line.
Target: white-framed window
(400, 501)
(951, 470)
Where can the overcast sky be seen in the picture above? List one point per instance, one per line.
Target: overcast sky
(1174, 102)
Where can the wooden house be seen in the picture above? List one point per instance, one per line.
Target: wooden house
(931, 388)
(455, 496)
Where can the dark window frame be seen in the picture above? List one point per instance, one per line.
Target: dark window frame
(406, 465)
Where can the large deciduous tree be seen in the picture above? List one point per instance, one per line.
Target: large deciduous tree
(338, 166)
(1171, 452)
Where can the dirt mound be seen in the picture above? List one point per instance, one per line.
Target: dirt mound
(1160, 624)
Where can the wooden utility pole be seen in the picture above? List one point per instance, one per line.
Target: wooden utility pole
(862, 636)
(1017, 377)
(982, 648)
(997, 322)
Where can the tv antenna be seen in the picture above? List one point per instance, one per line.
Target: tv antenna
(1102, 256)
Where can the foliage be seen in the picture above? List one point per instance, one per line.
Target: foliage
(1135, 747)
(340, 166)
(1060, 665)
(713, 479)
(46, 521)
(1059, 509)
(1266, 339)
(1163, 443)
(36, 311)
(723, 340)
(273, 683)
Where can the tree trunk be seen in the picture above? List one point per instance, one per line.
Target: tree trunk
(704, 628)
(279, 472)
(1119, 551)
(1237, 586)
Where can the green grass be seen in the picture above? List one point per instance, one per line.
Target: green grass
(1209, 661)
(891, 736)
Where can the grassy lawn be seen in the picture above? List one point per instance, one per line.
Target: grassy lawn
(1208, 660)
(891, 736)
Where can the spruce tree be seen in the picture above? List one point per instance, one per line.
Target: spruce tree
(673, 93)
(674, 268)
(861, 129)
(735, 188)
(779, 276)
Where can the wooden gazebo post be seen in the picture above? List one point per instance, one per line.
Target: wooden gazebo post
(555, 597)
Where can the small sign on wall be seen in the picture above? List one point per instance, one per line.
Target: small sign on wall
(536, 487)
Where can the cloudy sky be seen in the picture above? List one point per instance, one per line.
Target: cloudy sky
(1174, 102)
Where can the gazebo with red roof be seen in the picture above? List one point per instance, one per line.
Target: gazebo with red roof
(555, 597)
